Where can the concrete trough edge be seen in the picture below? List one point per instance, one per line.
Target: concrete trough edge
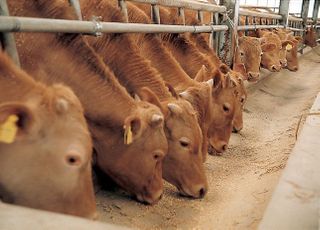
(296, 200)
(13, 217)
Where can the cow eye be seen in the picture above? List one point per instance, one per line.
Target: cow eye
(261, 54)
(242, 99)
(184, 142)
(241, 54)
(226, 108)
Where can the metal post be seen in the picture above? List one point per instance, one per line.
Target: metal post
(315, 11)
(228, 38)
(124, 10)
(200, 16)
(9, 43)
(155, 14)
(181, 14)
(77, 8)
(304, 16)
(284, 12)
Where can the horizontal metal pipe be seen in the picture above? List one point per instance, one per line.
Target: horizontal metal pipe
(294, 29)
(295, 19)
(254, 27)
(24, 24)
(185, 4)
(259, 7)
(245, 12)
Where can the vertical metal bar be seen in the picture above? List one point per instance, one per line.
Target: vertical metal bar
(247, 23)
(228, 38)
(77, 8)
(8, 41)
(155, 14)
(182, 15)
(200, 16)
(217, 34)
(124, 10)
(304, 15)
(284, 12)
(212, 34)
(315, 11)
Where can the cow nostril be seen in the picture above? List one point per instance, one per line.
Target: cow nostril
(202, 192)
(224, 147)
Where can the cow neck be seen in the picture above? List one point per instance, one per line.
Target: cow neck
(132, 70)
(15, 84)
(170, 70)
(67, 58)
(151, 48)
(201, 104)
(187, 54)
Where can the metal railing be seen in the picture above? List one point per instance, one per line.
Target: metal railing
(95, 27)
(25, 24)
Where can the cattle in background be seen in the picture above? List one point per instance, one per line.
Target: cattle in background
(182, 166)
(289, 52)
(128, 135)
(310, 38)
(271, 46)
(45, 155)
(247, 58)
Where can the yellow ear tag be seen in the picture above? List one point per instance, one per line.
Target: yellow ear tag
(289, 47)
(8, 129)
(127, 135)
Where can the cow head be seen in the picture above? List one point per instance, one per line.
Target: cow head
(248, 54)
(224, 94)
(135, 163)
(310, 38)
(182, 166)
(292, 52)
(47, 163)
(219, 109)
(271, 46)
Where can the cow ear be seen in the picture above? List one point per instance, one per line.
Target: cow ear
(201, 75)
(298, 38)
(262, 40)
(216, 83)
(16, 119)
(147, 95)
(229, 83)
(268, 47)
(132, 129)
(287, 44)
(240, 68)
(224, 68)
(172, 90)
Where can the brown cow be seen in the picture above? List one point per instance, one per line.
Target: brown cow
(47, 163)
(310, 38)
(289, 51)
(271, 46)
(201, 43)
(183, 164)
(247, 58)
(128, 135)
